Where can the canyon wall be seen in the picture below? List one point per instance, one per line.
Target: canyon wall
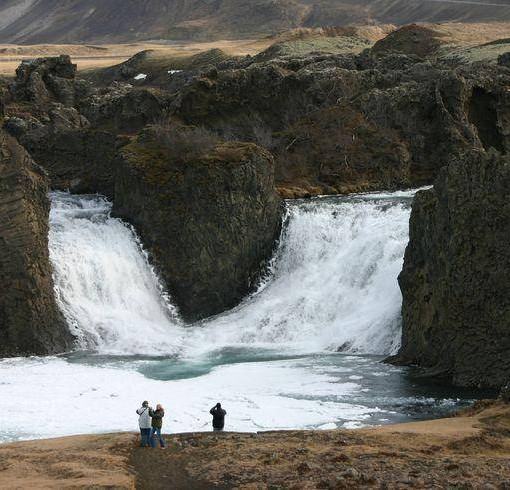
(455, 280)
(30, 322)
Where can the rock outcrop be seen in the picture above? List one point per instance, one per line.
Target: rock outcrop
(79, 160)
(45, 80)
(339, 123)
(386, 118)
(455, 281)
(210, 222)
(124, 108)
(30, 322)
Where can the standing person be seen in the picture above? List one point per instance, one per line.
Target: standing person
(144, 421)
(157, 424)
(218, 414)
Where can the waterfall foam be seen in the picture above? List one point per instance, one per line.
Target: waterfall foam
(105, 286)
(333, 283)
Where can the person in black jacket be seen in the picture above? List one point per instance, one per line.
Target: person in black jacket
(218, 417)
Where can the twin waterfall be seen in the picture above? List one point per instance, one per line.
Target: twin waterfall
(332, 284)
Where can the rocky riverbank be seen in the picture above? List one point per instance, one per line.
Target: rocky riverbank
(470, 450)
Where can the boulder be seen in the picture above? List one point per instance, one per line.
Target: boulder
(30, 321)
(209, 221)
(412, 39)
(455, 281)
(504, 59)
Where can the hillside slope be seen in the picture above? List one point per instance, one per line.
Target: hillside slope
(54, 21)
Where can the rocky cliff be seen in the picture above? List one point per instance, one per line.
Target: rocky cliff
(455, 281)
(44, 100)
(353, 122)
(30, 322)
(388, 117)
(210, 220)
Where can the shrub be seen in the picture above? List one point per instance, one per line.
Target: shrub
(183, 143)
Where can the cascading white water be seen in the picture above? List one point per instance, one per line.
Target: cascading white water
(333, 282)
(105, 286)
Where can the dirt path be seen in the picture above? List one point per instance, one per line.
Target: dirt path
(156, 469)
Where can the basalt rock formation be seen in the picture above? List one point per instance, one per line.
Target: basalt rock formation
(388, 117)
(30, 322)
(210, 221)
(45, 80)
(43, 115)
(124, 108)
(455, 281)
(79, 160)
(339, 123)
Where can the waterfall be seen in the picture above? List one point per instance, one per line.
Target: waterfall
(108, 292)
(333, 283)
(334, 280)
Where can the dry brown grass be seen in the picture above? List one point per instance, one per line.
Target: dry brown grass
(69, 462)
(472, 34)
(183, 143)
(102, 56)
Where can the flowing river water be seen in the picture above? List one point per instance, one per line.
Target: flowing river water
(304, 351)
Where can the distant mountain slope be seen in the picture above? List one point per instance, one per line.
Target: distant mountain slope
(68, 21)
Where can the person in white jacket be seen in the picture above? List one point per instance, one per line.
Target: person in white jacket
(144, 421)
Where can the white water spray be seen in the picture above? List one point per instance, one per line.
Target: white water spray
(105, 286)
(333, 283)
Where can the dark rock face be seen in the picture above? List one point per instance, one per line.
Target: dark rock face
(504, 59)
(30, 322)
(45, 80)
(384, 119)
(353, 122)
(411, 39)
(124, 108)
(210, 224)
(455, 281)
(79, 160)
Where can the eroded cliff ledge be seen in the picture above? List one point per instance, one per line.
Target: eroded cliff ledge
(455, 281)
(209, 220)
(30, 322)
